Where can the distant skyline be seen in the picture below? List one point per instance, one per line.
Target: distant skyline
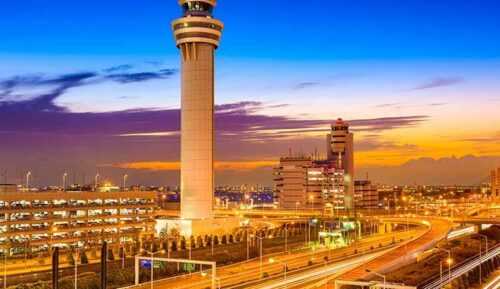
(94, 86)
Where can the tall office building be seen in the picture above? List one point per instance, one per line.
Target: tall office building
(495, 183)
(197, 36)
(340, 151)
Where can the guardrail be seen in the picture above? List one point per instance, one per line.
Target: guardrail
(437, 282)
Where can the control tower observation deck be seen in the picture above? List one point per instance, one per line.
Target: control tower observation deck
(197, 36)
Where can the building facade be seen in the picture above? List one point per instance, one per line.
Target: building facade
(302, 182)
(197, 35)
(340, 151)
(365, 195)
(38, 221)
(290, 179)
(495, 183)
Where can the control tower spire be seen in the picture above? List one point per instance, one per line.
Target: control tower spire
(197, 35)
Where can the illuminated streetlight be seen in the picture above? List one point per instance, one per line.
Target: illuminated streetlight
(65, 175)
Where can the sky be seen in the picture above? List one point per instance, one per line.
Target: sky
(93, 86)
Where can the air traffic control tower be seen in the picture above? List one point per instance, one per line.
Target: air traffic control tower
(197, 36)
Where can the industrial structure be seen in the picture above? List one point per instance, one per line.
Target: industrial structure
(197, 36)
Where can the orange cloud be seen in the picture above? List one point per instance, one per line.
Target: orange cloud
(173, 166)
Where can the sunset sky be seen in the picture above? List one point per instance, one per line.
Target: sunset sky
(93, 86)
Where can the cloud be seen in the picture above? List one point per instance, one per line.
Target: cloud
(373, 144)
(385, 105)
(123, 67)
(175, 166)
(439, 82)
(141, 76)
(306, 84)
(438, 104)
(465, 170)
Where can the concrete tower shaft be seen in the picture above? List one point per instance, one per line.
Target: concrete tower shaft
(197, 36)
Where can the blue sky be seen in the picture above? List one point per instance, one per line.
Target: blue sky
(415, 78)
(277, 29)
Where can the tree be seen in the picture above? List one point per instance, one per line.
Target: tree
(224, 240)
(199, 242)
(216, 240)
(231, 238)
(83, 257)
(174, 246)
(183, 243)
(111, 256)
(70, 258)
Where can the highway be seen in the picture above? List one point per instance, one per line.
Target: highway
(494, 284)
(246, 274)
(439, 229)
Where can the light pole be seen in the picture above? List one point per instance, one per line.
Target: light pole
(65, 175)
(297, 207)
(286, 238)
(285, 266)
(28, 175)
(4, 269)
(96, 181)
(378, 274)
(449, 261)
(260, 263)
(76, 269)
(153, 262)
(125, 177)
(311, 200)
(481, 258)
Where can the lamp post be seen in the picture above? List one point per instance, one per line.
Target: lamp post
(378, 274)
(5, 268)
(96, 181)
(28, 175)
(449, 261)
(285, 266)
(481, 258)
(311, 200)
(125, 177)
(260, 261)
(65, 175)
(76, 269)
(286, 238)
(153, 262)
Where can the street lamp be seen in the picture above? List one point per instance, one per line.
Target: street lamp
(449, 261)
(96, 180)
(152, 262)
(260, 261)
(125, 177)
(481, 258)
(378, 274)
(65, 175)
(28, 175)
(76, 269)
(297, 207)
(285, 266)
(311, 200)
(5, 268)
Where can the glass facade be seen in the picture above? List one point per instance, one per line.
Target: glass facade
(197, 8)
